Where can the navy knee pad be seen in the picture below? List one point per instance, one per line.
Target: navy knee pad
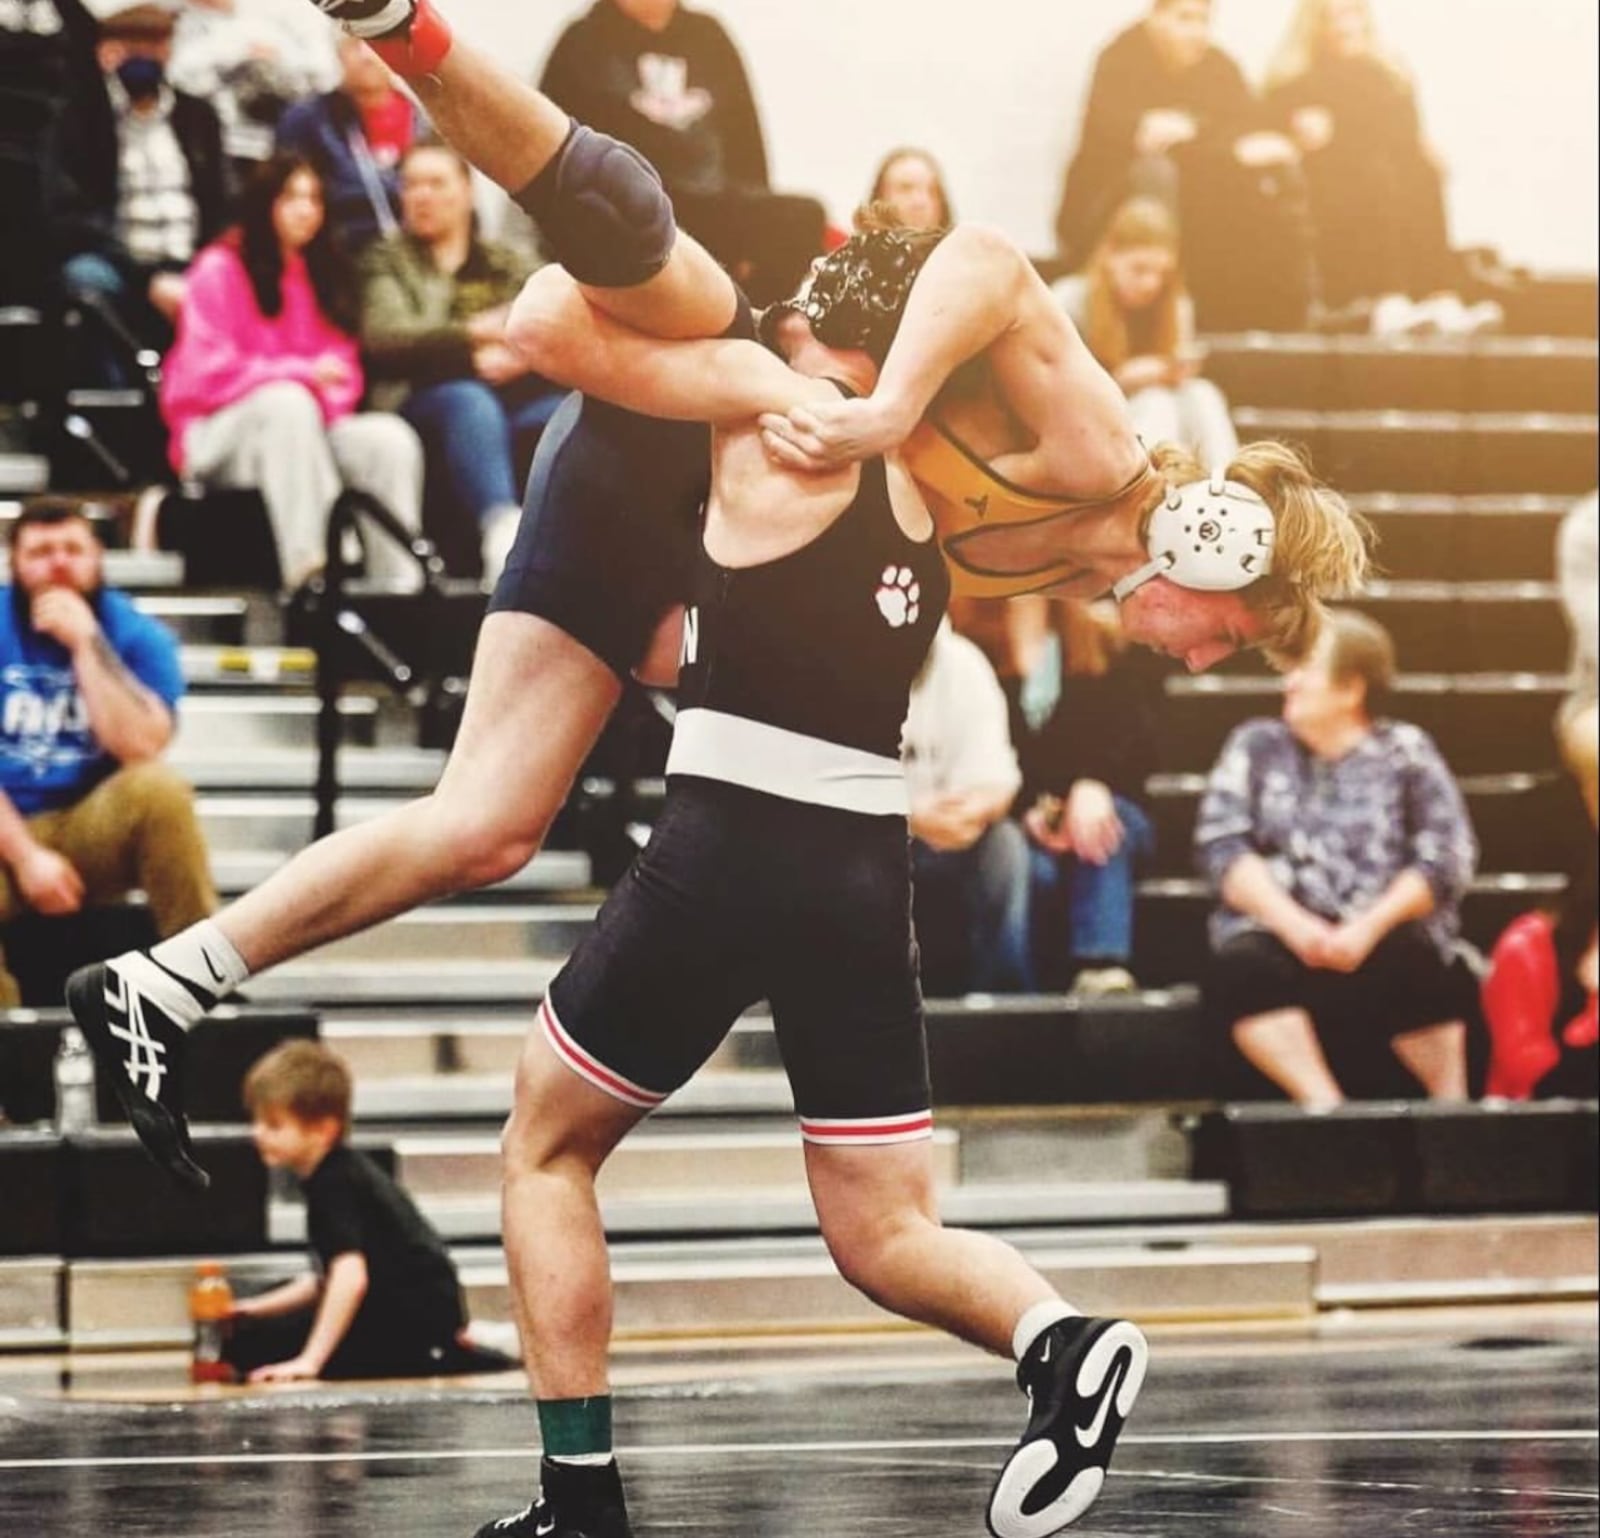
(601, 207)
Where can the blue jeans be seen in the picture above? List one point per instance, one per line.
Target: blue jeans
(1094, 903)
(479, 439)
(988, 885)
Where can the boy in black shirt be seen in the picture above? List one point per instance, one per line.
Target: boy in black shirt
(387, 1302)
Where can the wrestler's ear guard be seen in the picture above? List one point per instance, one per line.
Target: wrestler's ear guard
(1211, 536)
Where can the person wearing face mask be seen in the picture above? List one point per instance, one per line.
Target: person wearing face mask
(162, 183)
(1131, 307)
(1340, 848)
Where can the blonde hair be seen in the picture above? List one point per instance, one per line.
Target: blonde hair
(1321, 549)
(1578, 731)
(1108, 331)
(1303, 45)
(304, 1078)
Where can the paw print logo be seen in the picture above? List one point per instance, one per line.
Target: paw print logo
(899, 596)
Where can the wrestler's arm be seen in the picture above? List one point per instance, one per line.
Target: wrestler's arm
(975, 290)
(721, 381)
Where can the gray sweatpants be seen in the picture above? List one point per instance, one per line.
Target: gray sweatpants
(275, 440)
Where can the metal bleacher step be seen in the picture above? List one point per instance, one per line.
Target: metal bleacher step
(489, 933)
(783, 1210)
(247, 722)
(744, 1286)
(658, 1161)
(30, 1314)
(1467, 626)
(407, 771)
(1451, 538)
(1310, 372)
(199, 620)
(551, 871)
(248, 669)
(1199, 1270)
(1484, 723)
(331, 984)
(1459, 452)
(457, 1098)
(277, 823)
(799, 1288)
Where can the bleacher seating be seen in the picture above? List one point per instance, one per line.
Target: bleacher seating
(1095, 1132)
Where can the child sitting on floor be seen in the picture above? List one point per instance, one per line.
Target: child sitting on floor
(387, 1302)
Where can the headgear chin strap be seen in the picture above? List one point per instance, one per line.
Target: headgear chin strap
(1211, 536)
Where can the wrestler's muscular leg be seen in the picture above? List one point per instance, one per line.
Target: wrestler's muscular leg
(879, 1215)
(535, 706)
(560, 1132)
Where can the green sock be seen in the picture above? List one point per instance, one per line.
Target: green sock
(576, 1429)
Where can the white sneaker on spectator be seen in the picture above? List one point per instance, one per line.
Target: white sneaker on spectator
(143, 525)
(1103, 982)
(1396, 315)
(1447, 314)
(1484, 317)
(499, 535)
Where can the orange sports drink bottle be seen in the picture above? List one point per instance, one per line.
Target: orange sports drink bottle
(210, 1308)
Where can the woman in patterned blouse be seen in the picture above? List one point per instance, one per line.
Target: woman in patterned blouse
(1340, 847)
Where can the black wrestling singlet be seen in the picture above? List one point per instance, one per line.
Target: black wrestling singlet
(796, 673)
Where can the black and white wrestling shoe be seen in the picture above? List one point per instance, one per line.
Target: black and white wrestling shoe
(140, 1050)
(575, 1502)
(1082, 1377)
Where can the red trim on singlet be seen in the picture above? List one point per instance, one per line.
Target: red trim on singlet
(591, 1068)
(893, 1129)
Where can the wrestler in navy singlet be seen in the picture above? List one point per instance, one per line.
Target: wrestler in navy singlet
(779, 867)
(607, 540)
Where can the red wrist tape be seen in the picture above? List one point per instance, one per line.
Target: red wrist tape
(421, 48)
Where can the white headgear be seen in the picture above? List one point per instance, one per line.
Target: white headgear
(1212, 536)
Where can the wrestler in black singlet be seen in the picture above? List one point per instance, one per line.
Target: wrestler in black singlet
(778, 868)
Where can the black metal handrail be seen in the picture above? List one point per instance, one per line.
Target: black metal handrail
(337, 625)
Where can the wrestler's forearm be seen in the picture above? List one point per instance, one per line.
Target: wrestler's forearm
(563, 336)
(500, 123)
(964, 300)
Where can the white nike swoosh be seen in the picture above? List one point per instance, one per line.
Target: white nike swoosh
(1089, 1436)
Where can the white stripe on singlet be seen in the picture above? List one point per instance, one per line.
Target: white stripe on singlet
(718, 746)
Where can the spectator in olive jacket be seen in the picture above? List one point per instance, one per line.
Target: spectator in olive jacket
(434, 303)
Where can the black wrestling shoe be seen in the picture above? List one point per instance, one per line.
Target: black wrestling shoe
(1081, 1377)
(140, 1051)
(575, 1502)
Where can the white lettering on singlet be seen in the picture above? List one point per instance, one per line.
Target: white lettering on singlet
(689, 652)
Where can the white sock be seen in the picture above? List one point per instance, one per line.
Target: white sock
(205, 958)
(1036, 1321)
(587, 1460)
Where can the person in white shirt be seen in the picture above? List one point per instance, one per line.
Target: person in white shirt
(961, 777)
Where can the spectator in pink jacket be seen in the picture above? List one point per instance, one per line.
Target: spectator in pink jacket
(261, 387)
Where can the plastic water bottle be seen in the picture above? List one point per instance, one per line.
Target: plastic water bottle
(210, 1309)
(74, 1068)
